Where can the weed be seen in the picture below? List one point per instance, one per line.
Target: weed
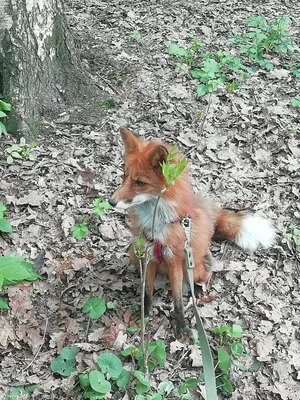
(293, 234)
(265, 38)
(14, 269)
(80, 230)
(95, 307)
(109, 104)
(136, 37)
(5, 108)
(234, 351)
(211, 69)
(296, 102)
(19, 152)
(99, 209)
(5, 225)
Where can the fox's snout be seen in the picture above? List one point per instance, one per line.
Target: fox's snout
(112, 202)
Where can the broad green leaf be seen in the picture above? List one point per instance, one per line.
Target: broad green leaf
(10, 160)
(225, 385)
(111, 305)
(111, 364)
(237, 348)
(2, 114)
(130, 351)
(3, 304)
(144, 383)
(123, 379)
(16, 269)
(95, 307)
(65, 363)
(176, 50)
(224, 360)
(79, 230)
(16, 155)
(211, 65)
(98, 382)
(158, 350)
(189, 384)
(237, 331)
(5, 106)
(165, 387)
(5, 226)
(201, 90)
(84, 380)
(2, 128)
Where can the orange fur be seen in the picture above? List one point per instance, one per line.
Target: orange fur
(142, 165)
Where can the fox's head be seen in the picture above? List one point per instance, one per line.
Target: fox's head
(143, 179)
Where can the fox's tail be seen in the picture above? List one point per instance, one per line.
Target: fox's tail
(247, 231)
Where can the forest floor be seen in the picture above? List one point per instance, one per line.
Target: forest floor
(245, 153)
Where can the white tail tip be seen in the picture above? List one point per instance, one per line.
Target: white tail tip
(255, 232)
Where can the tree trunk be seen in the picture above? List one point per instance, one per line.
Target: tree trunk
(39, 71)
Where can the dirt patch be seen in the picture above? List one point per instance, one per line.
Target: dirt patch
(246, 155)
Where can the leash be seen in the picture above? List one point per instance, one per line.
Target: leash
(208, 365)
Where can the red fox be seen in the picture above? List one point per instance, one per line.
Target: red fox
(143, 182)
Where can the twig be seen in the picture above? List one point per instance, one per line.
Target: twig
(108, 84)
(87, 329)
(39, 349)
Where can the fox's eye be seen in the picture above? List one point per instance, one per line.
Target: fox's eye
(139, 183)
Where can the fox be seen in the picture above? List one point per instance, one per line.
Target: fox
(143, 182)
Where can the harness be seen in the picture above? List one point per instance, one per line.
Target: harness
(158, 246)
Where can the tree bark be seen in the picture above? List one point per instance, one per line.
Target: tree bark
(39, 70)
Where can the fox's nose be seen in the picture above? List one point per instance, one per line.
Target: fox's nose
(112, 202)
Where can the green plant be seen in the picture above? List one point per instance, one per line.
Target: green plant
(80, 230)
(19, 152)
(5, 225)
(211, 69)
(156, 353)
(95, 307)
(264, 38)
(21, 392)
(294, 234)
(100, 207)
(109, 104)
(14, 269)
(136, 37)
(229, 354)
(97, 384)
(65, 363)
(5, 108)
(296, 102)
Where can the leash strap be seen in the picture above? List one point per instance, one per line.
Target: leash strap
(208, 365)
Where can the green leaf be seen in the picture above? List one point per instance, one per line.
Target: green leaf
(65, 363)
(10, 160)
(111, 364)
(123, 379)
(211, 66)
(236, 331)
(16, 155)
(111, 305)
(98, 382)
(5, 106)
(189, 384)
(224, 360)
(100, 207)
(3, 304)
(165, 387)
(131, 351)
(176, 50)
(237, 348)
(158, 350)
(79, 230)
(2, 114)
(95, 307)
(225, 386)
(144, 383)
(3, 208)
(2, 128)
(201, 90)
(84, 380)
(5, 226)
(16, 269)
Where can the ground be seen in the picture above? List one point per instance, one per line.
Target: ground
(245, 154)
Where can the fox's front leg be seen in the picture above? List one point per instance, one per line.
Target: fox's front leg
(176, 279)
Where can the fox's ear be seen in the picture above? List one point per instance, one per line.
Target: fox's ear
(130, 141)
(157, 155)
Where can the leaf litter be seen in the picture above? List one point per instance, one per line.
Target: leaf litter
(246, 155)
